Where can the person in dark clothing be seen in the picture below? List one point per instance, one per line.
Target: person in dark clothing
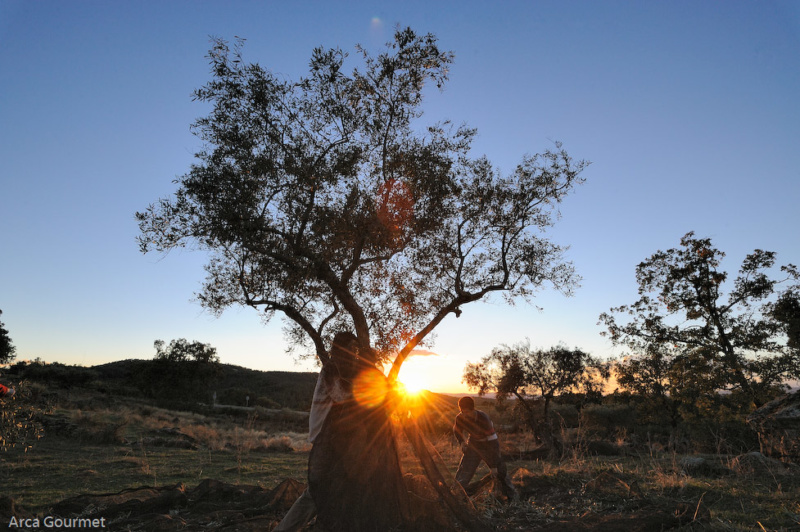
(479, 444)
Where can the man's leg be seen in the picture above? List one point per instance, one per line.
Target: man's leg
(498, 468)
(467, 467)
(298, 516)
(505, 481)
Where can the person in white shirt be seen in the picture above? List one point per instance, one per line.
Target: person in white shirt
(333, 387)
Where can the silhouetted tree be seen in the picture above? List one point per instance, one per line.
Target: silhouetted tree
(181, 371)
(786, 312)
(319, 200)
(7, 348)
(686, 336)
(323, 200)
(181, 350)
(529, 373)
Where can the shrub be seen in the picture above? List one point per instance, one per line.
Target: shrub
(55, 374)
(608, 420)
(19, 420)
(205, 435)
(236, 397)
(566, 416)
(277, 444)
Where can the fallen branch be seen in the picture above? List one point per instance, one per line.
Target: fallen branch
(460, 511)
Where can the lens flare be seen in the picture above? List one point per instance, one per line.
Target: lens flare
(370, 388)
(413, 383)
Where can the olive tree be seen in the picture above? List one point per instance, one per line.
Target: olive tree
(528, 374)
(689, 338)
(324, 200)
(181, 371)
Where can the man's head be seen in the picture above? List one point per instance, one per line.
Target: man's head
(466, 404)
(344, 346)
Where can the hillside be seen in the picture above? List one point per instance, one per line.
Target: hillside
(232, 384)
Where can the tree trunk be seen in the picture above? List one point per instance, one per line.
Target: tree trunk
(354, 472)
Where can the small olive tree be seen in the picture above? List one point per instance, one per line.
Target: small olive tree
(181, 350)
(181, 371)
(528, 374)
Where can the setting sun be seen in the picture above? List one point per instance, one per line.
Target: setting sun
(413, 381)
(413, 385)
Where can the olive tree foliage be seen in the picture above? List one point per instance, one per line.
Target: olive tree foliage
(529, 373)
(689, 338)
(7, 348)
(324, 200)
(786, 312)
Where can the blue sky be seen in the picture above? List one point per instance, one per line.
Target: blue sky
(689, 112)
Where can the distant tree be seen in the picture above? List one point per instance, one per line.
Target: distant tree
(786, 312)
(529, 373)
(689, 340)
(323, 200)
(649, 376)
(182, 371)
(7, 348)
(181, 350)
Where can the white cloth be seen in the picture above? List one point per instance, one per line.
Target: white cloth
(325, 396)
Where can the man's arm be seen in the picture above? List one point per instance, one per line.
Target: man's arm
(458, 431)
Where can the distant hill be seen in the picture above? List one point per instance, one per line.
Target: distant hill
(234, 385)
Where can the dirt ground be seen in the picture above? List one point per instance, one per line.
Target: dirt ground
(218, 506)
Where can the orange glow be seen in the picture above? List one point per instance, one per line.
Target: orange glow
(418, 374)
(370, 388)
(395, 205)
(413, 383)
(409, 397)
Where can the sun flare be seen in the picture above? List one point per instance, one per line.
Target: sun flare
(413, 384)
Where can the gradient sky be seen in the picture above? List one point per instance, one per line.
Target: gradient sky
(689, 112)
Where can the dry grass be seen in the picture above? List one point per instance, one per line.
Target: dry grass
(117, 447)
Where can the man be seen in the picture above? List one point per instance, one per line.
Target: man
(332, 387)
(480, 444)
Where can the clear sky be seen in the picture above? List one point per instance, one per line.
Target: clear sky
(689, 112)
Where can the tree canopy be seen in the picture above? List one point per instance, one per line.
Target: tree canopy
(688, 337)
(181, 350)
(7, 348)
(323, 199)
(527, 373)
